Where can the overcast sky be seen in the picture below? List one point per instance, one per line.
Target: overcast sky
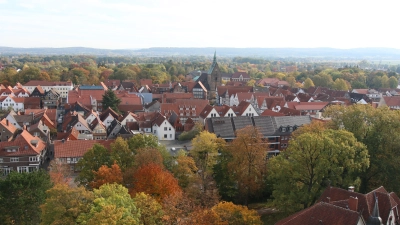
(118, 24)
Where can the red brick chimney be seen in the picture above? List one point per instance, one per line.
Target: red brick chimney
(353, 203)
(7, 122)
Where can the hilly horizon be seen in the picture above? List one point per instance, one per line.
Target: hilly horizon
(322, 52)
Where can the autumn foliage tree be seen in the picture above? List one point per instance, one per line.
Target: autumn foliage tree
(155, 181)
(248, 162)
(107, 175)
(151, 211)
(60, 173)
(229, 213)
(64, 204)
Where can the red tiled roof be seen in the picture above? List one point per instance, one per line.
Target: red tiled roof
(322, 213)
(25, 143)
(77, 148)
(307, 105)
(10, 127)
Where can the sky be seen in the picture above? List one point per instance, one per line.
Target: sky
(119, 24)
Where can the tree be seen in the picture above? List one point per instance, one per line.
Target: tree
(111, 100)
(205, 150)
(185, 169)
(379, 130)
(151, 211)
(64, 204)
(308, 83)
(177, 207)
(21, 195)
(142, 141)
(112, 205)
(121, 154)
(291, 81)
(60, 173)
(315, 158)
(202, 216)
(124, 74)
(385, 81)
(229, 213)
(340, 85)
(146, 156)
(393, 83)
(107, 175)
(153, 180)
(91, 161)
(248, 162)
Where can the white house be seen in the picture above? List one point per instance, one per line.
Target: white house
(163, 129)
(17, 104)
(245, 109)
(62, 87)
(129, 117)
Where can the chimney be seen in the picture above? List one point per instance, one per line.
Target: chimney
(62, 140)
(351, 189)
(7, 122)
(353, 203)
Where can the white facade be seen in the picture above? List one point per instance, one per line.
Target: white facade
(107, 121)
(250, 111)
(62, 90)
(128, 118)
(12, 120)
(165, 131)
(9, 102)
(82, 128)
(230, 113)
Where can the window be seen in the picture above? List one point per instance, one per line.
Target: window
(165, 128)
(165, 136)
(14, 159)
(169, 128)
(7, 171)
(170, 135)
(1, 160)
(36, 134)
(33, 159)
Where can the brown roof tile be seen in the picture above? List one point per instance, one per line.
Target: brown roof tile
(77, 148)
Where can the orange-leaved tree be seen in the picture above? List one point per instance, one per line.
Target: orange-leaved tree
(107, 175)
(60, 173)
(230, 213)
(155, 181)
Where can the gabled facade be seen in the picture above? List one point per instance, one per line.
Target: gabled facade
(51, 99)
(163, 129)
(24, 154)
(128, 117)
(10, 102)
(62, 87)
(7, 130)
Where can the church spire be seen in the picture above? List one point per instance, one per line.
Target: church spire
(215, 57)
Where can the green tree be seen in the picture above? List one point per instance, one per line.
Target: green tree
(385, 81)
(112, 205)
(64, 204)
(291, 81)
(340, 85)
(315, 158)
(308, 83)
(111, 100)
(91, 161)
(121, 154)
(379, 130)
(393, 83)
(124, 74)
(21, 195)
(142, 141)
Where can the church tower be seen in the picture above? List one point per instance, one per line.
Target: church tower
(214, 78)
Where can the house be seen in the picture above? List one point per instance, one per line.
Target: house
(212, 79)
(128, 117)
(392, 102)
(326, 214)
(162, 129)
(245, 109)
(267, 82)
(199, 91)
(153, 106)
(99, 130)
(70, 152)
(31, 102)
(310, 108)
(62, 87)
(277, 130)
(240, 76)
(40, 130)
(7, 130)
(377, 205)
(129, 102)
(17, 104)
(89, 96)
(224, 93)
(115, 128)
(51, 99)
(79, 123)
(25, 153)
(108, 116)
(38, 92)
(72, 135)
